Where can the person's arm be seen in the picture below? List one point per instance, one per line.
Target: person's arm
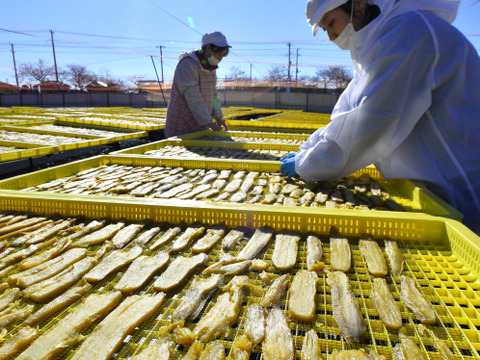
(217, 108)
(377, 111)
(218, 113)
(188, 84)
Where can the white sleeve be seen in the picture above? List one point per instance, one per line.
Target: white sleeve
(186, 76)
(378, 110)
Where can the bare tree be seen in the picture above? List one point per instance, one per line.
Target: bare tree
(39, 72)
(109, 80)
(322, 75)
(277, 73)
(78, 75)
(340, 77)
(336, 75)
(135, 79)
(236, 74)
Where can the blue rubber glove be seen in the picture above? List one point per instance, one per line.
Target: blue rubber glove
(288, 156)
(287, 167)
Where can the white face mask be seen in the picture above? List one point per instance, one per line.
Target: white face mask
(343, 40)
(212, 60)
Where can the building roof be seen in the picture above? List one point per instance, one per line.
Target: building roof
(51, 86)
(7, 86)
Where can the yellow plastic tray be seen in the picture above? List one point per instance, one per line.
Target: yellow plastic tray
(237, 108)
(250, 115)
(199, 135)
(27, 109)
(410, 196)
(27, 129)
(245, 127)
(92, 140)
(141, 149)
(442, 256)
(25, 150)
(145, 125)
(122, 133)
(276, 115)
(13, 121)
(298, 115)
(283, 119)
(286, 124)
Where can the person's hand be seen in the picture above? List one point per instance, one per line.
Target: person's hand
(215, 126)
(287, 167)
(222, 124)
(288, 156)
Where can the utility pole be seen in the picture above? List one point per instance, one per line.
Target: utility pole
(14, 64)
(289, 62)
(296, 71)
(250, 72)
(161, 59)
(54, 57)
(159, 83)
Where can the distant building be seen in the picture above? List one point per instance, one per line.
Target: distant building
(51, 86)
(98, 85)
(152, 86)
(6, 88)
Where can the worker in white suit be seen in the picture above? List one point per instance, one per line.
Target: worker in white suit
(413, 106)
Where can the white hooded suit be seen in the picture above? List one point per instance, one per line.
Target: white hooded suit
(412, 108)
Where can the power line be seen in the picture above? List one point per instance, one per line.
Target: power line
(17, 32)
(190, 27)
(251, 61)
(174, 17)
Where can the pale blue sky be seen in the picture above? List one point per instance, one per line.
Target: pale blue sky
(118, 36)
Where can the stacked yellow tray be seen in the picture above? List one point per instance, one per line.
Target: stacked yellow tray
(441, 256)
(113, 121)
(41, 134)
(202, 149)
(18, 150)
(293, 120)
(409, 196)
(247, 135)
(63, 141)
(61, 128)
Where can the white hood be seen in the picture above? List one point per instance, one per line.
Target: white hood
(445, 9)
(411, 109)
(361, 42)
